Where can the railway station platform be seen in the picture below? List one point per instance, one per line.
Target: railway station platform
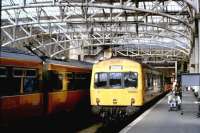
(159, 120)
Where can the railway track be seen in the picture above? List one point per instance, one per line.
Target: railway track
(77, 122)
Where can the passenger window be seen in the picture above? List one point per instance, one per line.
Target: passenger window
(3, 72)
(87, 81)
(4, 89)
(70, 77)
(30, 85)
(31, 73)
(78, 84)
(53, 81)
(17, 72)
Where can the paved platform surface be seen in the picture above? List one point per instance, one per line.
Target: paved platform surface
(159, 120)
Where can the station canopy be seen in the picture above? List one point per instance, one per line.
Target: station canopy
(148, 29)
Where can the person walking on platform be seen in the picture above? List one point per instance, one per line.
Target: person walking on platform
(174, 85)
(176, 88)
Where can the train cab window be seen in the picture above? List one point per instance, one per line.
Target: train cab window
(115, 80)
(101, 80)
(130, 79)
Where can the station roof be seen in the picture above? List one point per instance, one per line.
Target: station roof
(139, 28)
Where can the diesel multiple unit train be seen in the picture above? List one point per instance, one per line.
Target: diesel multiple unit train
(120, 86)
(32, 87)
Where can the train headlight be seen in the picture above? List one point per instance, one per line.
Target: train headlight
(97, 101)
(132, 101)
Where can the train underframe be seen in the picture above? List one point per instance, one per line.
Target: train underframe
(114, 112)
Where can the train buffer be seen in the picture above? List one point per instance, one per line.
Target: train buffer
(158, 119)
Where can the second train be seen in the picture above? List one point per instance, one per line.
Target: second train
(119, 87)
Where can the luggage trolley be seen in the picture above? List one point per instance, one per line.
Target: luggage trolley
(174, 101)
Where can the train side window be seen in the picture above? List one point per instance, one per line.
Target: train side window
(3, 72)
(130, 79)
(17, 72)
(31, 73)
(70, 77)
(101, 80)
(87, 81)
(4, 81)
(78, 82)
(31, 83)
(53, 81)
(149, 81)
(84, 81)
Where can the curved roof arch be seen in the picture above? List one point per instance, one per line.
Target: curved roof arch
(60, 25)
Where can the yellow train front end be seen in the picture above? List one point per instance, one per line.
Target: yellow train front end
(116, 87)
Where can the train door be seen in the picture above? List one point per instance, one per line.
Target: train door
(78, 89)
(55, 94)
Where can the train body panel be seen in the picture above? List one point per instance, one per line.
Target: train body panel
(74, 98)
(57, 101)
(118, 97)
(68, 96)
(110, 96)
(122, 85)
(21, 106)
(33, 87)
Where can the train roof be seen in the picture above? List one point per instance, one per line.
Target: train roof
(71, 62)
(128, 59)
(17, 54)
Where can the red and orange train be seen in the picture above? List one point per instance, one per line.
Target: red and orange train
(32, 87)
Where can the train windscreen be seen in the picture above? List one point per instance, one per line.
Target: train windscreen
(116, 80)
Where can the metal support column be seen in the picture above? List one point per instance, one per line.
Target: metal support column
(199, 47)
(175, 69)
(198, 11)
(196, 55)
(192, 66)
